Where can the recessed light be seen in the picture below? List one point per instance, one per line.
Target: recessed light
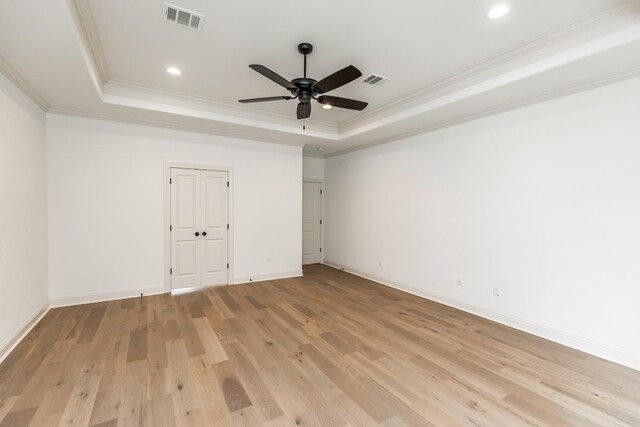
(327, 106)
(173, 70)
(320, 149)
(498, 11)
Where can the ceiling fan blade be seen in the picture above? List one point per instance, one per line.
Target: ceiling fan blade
(304, 110)
(337, 79)
(273, 76)
(270, 98)
(347, 103)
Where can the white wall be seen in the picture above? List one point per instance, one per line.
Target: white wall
(542, 203)
(23, 213)
(313, 168)
(106, 204)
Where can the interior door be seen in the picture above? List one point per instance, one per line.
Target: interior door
(214, 227)
(185, 228)
(311, 222)
(199, 228)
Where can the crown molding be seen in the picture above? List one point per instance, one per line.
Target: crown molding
(14, 76)
(211, 101)
(168, 125)
(145, 101)
(86, 25)
(510, 107)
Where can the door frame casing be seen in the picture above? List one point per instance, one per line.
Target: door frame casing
(167, 216)
(321, 182)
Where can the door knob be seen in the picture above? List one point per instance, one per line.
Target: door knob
(204, 233)
(197, 234)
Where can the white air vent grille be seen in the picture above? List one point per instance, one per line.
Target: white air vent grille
(183, 17)
(375, 80)
(171, 13)
(195, 22)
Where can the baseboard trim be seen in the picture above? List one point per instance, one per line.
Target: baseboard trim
(104, 296)
(12, 342)
(117, 295)
(263, 277)
(583, 344)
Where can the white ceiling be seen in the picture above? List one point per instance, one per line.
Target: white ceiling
(447, 61)
(414, 42)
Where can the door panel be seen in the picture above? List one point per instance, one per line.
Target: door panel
(311, 227)
(215, 220)
(215, 256)
(308, 203)
(187, 254)
(215, 199)
(185, 219)
(308, 243)
(187, 190)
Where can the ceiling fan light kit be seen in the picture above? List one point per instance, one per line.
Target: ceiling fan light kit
(305, 88)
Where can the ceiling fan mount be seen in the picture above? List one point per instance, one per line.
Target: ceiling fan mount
(305, 48)
(305, 88)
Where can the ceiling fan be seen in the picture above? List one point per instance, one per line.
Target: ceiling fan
(305, 89)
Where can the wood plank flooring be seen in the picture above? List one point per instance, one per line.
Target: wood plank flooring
(328, 349)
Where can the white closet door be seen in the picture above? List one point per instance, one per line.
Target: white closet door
(186, 212)
(214, 228)
(311, 227)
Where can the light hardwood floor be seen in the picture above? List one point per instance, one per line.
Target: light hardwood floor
(328, 349)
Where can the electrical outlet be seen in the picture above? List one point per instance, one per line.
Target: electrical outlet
(380, 263)
(269, 260)
(496, 292)
(459, 282)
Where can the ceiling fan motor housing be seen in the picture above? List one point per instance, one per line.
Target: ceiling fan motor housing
(305, 88)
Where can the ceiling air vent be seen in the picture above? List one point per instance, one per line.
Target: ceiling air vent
(183, 17)
(375, 80)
